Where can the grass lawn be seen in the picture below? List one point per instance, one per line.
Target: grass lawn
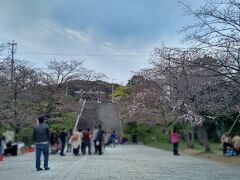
(198, 151)
(157, 139)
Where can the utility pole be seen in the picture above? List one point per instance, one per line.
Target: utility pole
(13, 50)
(12, 46)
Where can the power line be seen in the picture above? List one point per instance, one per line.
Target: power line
(87, 55)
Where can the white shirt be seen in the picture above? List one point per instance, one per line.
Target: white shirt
(77, 143)
(95, 134)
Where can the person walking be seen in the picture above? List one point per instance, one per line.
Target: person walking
(99, 140)
(41, 137)
(113, 138)
(63, 136)
(175, 138)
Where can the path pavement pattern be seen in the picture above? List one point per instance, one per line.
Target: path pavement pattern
(128, 162)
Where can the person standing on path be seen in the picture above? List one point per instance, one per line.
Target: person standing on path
(63, 136)
(87, 141)
(99, 140)
(76, 142)
(226, 142)
(82, 132)
(134, 136)
(113, 138)
(2, 147)
(175, 138)
(95, 131)
(41, 137)
(69, 145)
(236, 144)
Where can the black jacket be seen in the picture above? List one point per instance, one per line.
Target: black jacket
(41, 133)
(100, 135)
(63, 136)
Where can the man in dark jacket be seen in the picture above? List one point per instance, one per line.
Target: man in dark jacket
(63, 136)
(99, 139)
(41, 138)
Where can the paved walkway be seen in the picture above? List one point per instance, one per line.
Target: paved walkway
(126, 162)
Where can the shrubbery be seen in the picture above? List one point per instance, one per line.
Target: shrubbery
(25, 135)
(68, 122)
(145, 133)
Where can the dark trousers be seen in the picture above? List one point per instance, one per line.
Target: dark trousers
(39, 149)
(175, 148)
(225, 145)
(237, 152)
(76, 151)
(95, 146)
(83, 149)
(63, 147)
(99, 148)
(88, 145)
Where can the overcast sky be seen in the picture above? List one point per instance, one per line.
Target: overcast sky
(114, 37)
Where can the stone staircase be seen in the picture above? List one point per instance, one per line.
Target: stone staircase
(104, 114)
(89, 116)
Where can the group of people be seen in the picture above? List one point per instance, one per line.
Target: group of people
(78, 141)
(58, 141)
(82, 140)
(231, 146)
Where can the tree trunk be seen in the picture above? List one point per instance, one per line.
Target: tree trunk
(199, 137)
(51, 107)
(204, 138)
(187, 136)
(155, 135)
(192, 137)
